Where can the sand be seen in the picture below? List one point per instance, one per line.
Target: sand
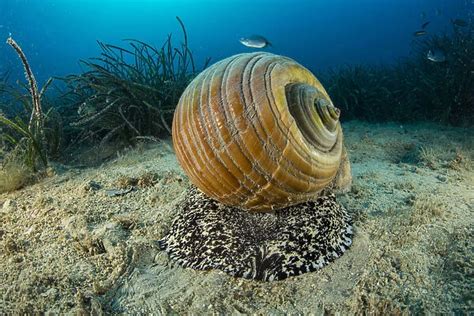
(67, 246)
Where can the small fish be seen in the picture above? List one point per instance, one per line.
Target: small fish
(255, 41)
(424, 25)
(419, 33)
(459, 22)
(436, 55)
(118, 192)
(423, 15)
(437, 12)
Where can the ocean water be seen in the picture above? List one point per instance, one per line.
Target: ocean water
(123, 191)
(318, 34)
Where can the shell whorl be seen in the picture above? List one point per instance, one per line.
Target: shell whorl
(258, 131)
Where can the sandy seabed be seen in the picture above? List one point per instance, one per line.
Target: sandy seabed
(67, 246)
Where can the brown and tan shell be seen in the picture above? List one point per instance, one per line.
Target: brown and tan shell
(258, 131)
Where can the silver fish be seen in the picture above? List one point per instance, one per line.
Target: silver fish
(436, 55)
(419, 33)
(255, 41)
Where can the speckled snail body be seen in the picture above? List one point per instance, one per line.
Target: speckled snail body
(259, 132)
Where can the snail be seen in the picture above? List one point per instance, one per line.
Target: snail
(259, 132)
(260, 139)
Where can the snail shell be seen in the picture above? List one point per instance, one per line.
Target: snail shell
(259, 132)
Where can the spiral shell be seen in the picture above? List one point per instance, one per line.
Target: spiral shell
(258, 131)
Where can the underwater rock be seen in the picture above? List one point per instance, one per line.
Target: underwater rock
(9, 206)
(254, 245)
(75, 227)
(91, 185)
(110, 235)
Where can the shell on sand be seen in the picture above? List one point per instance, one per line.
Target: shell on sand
(259, 132)
(258, 136)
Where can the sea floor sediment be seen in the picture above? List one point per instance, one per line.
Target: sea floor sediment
(68, 245)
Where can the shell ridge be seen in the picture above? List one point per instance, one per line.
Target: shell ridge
(270, 145)
(199, 144)
(183, 157)
(301, 145)
(316, 156)
(283, 161)
(209, 122)
(223, 146)
(271, 180)
(239, 141)
(224, 102)
(295, 172)
(255, 122)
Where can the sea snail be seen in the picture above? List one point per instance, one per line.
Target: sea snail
(259, 132)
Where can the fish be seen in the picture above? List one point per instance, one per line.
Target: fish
(437, 12)
(118, 192)
(436, 55)
(424, 25)
(419, 33)
(459, 22)
(255, 41)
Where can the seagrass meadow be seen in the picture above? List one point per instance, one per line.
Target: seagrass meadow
(207, 164)
(414, 89)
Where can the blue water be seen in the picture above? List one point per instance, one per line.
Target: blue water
(56, 34)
